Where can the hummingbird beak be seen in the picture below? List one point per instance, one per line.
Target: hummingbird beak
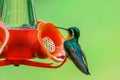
(69, 33)
(62, 28)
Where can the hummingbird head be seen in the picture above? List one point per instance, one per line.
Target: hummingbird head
(73, 32)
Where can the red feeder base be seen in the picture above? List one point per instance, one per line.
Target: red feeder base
(19, 45)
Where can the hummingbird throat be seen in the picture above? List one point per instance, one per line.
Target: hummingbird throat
(70, 36)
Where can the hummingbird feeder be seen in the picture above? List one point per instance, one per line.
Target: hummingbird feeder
(23, 37)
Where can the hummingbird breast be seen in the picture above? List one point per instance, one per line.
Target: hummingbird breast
(73, 44)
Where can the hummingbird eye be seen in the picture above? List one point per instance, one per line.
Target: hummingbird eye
(71, 32)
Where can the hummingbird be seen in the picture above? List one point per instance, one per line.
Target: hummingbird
(73, 49)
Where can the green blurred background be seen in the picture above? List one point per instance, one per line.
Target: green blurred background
(99, 23)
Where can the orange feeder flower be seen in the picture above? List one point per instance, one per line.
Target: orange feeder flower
(51, 41)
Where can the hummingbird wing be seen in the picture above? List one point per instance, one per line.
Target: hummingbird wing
(80, 65)
(84, 56)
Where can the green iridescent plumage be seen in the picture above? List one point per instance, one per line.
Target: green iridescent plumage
(74, 51)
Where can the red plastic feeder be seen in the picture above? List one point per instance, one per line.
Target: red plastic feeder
(17, 46)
